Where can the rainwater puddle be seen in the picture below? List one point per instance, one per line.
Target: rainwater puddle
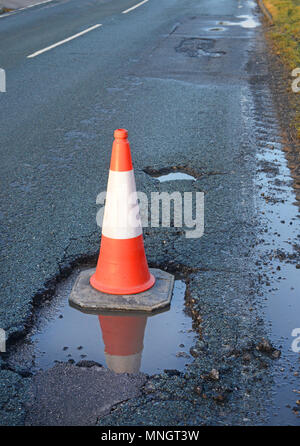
(248, 21)
(197, 47)
(201, 52)
(174, 176)
(123, 343)
(277, 254)
(280, 276)
(281, 284)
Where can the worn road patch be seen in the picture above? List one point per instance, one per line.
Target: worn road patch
(68, 395)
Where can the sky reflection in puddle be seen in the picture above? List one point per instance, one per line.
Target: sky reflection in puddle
(173, 176)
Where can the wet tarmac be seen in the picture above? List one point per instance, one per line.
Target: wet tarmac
(280, 278)
(223, 132)
(277, 253)
(246, 21)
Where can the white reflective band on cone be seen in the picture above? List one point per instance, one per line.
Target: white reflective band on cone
(124, 364)
(121, 215)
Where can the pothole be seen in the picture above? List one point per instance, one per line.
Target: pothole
(123, 343)
(196, 47)
(173, 176)
(170, 174)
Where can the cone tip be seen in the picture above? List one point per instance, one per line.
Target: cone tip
(121, 133)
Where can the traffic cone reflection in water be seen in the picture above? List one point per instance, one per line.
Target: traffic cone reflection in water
(123, 337)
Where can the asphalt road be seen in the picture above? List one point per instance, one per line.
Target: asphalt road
(58, 116)
(178, 75)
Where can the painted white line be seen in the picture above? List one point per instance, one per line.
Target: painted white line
(22, 9)
(64, 41)
(134, 7)
(36, 4)
(7, 14)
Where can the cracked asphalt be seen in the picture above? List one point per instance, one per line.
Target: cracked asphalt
(187, 84)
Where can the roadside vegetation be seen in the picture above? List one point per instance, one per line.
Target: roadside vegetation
(4, 10)
(285, 37)
(286, 30)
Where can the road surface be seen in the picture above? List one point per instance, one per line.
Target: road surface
(186, 78)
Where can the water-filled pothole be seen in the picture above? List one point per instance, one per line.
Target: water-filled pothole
(169, 174)
(174, 176)
(197, 47)
(123, 343)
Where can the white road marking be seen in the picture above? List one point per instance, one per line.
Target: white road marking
(64, 41)
(134, 7)
(22, 9)
(36, 4)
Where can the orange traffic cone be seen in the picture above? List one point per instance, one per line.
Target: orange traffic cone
(123, 338)
(122, 266)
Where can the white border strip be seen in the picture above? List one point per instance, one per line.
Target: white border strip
(37, 53)
(134, 7)
(35, 4)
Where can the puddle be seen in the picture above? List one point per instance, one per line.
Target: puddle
(248, 21)
(196, 47)
(174, 176)
(277, 257)
(201, 52)
(281, 283)
(170, 173)
(123, 343)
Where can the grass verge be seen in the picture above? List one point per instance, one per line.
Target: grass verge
(4, 10)
(285, 38)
